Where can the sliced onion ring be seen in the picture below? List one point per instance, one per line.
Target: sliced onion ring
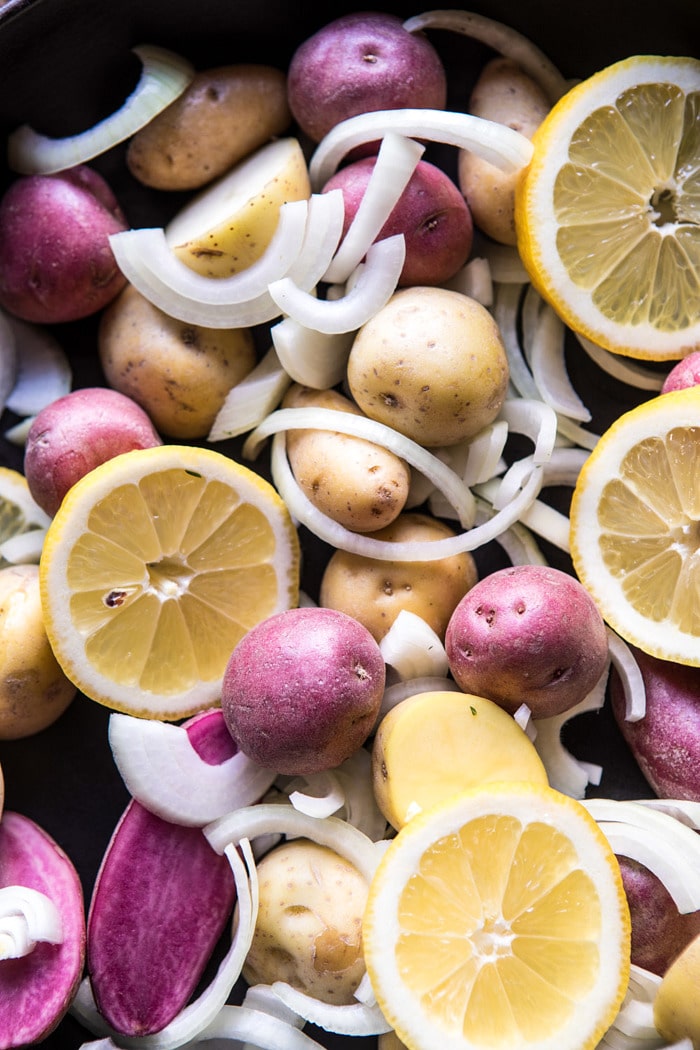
(631, 677)
(27, 917)
(164, 77)
(355, 1019)
(315, 359)
(248, 1027)
(565, 772)
(251, 400)
(413, 649)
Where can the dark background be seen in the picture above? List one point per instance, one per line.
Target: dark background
(65, 64)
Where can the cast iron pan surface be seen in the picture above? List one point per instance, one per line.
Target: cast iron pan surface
(65, 64)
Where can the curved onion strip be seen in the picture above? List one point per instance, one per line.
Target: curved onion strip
(324, 228)
(322, 796)
(570, 429)
(636, 1018)
(484, 453)
(502, 38)
(164, 77)
(312, 358)
(517, 541)
(631, 677)
(9, 359)
(364, 993)
(499, 145)
(356, 1019)
(367, 546)
(564, 466)
(194, 1018)
(246, 1027)
(251, 400)
(685, 810)
(548, 523)
(566, 773)
(535, 420)
(24, 548)
(27, 916)
(405, 448)
(360, 807)
(395, 164)
(395, 693)
(504, 262)
(505, 312)
(474, 280)
(549, 368)
(622, 368)
(163, 771)
(502, 491)
(261, 997)
(17, 434)
(43, 371)
(369, 294)
(413, 648)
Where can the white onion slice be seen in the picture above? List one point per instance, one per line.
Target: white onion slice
(631, 677)
(251, 400)
(398, 691)
(572, 430)
(535, 420)
(163, 771)
(24, 548)
(566, 773)
(484, 453)
(473, 280)
(8, 359)
(549, 368)
(313, 418)
(375, 286)
(504, 262)
(517, 541)
(322, 794)
(27, 917)
(413, 648)
(43, 372)
(356, 1019)
(499, 145)
(623, 368)
(502, 38)
(314, 359)
(360, 807)
(246, 1027)
(685, 810)
(564, 466)
(548, 523)
(17, 434)
(395, 164)
(505, 311)
(164, 77)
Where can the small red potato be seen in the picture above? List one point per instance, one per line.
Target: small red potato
(77, 432)
(36, 990)
(530, 634)
(302, 690)
(683, 374)
(659, 931)
(56, 263)
(362, 62)
(431, 214)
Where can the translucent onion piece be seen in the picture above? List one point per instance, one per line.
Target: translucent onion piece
(566, 773)
(499, 145)
(322, 795)
(413, 649)
(535, 420)
(43, 370)
(548, 523)
(356, 1019)
(523, 716)
(405, 448)
(505, 311)
(572, 430)
(8, 359)
(622, 368)
(484, 453)
(685, 810)
(504, 262)
(25, 548)
(502, 38)
(164, 77)
(247, 1027)
(312, 358)
(164, 772)
(549, 368)
(474, 280)
(251, 400)
(27, 917)
(517, 541)
(502, 491)
(261, 997)
(564, 466)
(631, 677)
(17, 434)
(369, 294)
(360, 806)
(395, 164)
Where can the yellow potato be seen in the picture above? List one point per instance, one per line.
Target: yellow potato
(34, 691)
(374, 592)
(677, 1003)
(507, 95)
(224, 115)
(357, 483)
(431, 364)
(180, 374)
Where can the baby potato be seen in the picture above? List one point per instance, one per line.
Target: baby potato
(357, 483)
(309, 926)
(677, 1002)
(507, 95)
(180, 374)
(224, 114)
(374, 592)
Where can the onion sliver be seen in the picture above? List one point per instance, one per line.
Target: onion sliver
(164, 77)
(683, 809)
(27, 917)
(484, 453)
(324, 228)
(535, 420)
(354, 1019)
(251, 400)
(474, 280)
(395, 164)
(163, 771)
(622, 368)
(314, 359)
(44, 372)
(9, 359)
(496, 143)
(313, 418)
(549, 368)
(517, 541)
(631, 677)
(566, 773)
(413, 648)
(375, 286)
(398, 691)
(24, 548)
(572, 430)
(255, 1028)
(504, 262)
(323, 795)
(502, 38)
(505, 312)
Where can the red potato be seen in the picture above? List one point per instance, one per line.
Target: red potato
(75, 434)
(531, 635)
(39, 986)
(659, 931)
(431, 214)
(666, 741)
(302, 690)
(360, 63)
(56, 263)
(683, 374)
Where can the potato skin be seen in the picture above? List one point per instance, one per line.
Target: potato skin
(659, 931)
(224, 114)
(180, 374)
(374, 592)
(357, 483)
(677, 1002)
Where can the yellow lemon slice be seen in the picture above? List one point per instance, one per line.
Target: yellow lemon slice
(635, 526)
(155, 566)
(435, 744)
(19, 513)
(608, 211)
(499, 920)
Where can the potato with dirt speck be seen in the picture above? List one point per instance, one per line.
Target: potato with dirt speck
(357, 483)
(180, 374)
(309, 926)
(431, 364)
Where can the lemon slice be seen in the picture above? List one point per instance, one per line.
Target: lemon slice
(608, 211)
(499, 920)
(18, 511)
(635, 526)
(155, 566)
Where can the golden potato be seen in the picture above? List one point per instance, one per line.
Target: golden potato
(357, 483)
(677, 1003)
(431, 364)
(180, 374)
(507, 95)
(224, 115)
(375, 591)
(34, 691)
